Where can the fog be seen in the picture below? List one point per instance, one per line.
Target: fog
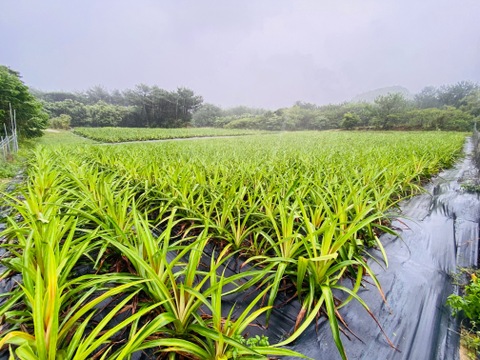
(267, 53)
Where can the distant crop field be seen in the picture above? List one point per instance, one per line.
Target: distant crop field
(159, 226)
(115, 135)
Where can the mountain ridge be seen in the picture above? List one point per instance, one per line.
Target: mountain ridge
(370, 96)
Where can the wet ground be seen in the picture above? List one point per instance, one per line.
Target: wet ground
(439, 233)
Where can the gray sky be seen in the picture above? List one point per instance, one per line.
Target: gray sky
(265, 53)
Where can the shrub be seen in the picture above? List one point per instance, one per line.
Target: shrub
(469, 303)
(62, 122)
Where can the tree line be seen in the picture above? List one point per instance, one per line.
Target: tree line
(449, 107)
(143, 106)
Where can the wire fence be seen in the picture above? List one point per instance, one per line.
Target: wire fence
(9, 143)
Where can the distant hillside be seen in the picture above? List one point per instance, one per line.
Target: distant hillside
(369, 96)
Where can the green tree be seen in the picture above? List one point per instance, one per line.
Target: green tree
(96, 94)
(456, 95)
(457, 120)
(350, 120)
(31, 119)
(388, 110)
(447, 118)
(62, 122)
(56, 96)
(361, 109)
(427, 98)
(300, 117)
(141, 100)
(252, 123)
(155, 107)
(206, 115)
(103, 114)
(242, 111)
(118, 98)
(333, 113)
(305, 105)
(472, 103)
(187, 103)
(75, 109)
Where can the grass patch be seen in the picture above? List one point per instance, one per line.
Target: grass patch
(9, 168)
(15, 162)
(62, 137)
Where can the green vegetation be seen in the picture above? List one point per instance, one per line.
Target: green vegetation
(468, 307)
(31, 119)
(17, 102)
(63, 122)
(62, 137)
(469, 303)
(105, 231)
(8, 169)
(450, 107)
(143, 106)
(473, 188)
(114, 135)
(16, 162)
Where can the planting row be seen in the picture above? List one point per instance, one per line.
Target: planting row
(116, 135)
(142, 247)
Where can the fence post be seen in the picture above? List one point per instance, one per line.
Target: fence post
(9, 144)
(2, 145)
(14, 131)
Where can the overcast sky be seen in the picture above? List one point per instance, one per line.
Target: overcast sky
(264, 53)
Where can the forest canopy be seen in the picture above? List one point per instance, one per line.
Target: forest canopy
(143, 106)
